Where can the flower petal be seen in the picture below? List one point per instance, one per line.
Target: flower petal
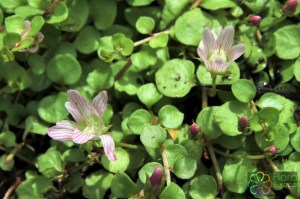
(62, 131)
(79, 103)
(219, 66)
(236, 51)
(73, 111)
(108, 146)
(80, 137)
(100, 102)
(225, 39)
(202, 53)
(209, 41)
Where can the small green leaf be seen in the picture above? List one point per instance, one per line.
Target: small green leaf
(218, 4)
(175, 152)
(37, 64)
(122, 44)
(52, 108)
(235, 178)
(15, 24)
(296, 66)
(96, 184)
(120, 165)
(139, 120)
(295, 140)
(101, 77)
(73, 155)
(7, 138)
(64, 69)
(32, 125)
(123, 187)
(28, 11)
(172, 191)
(175, 78)
(145, 25)
(50, 163)
(139, 2)
(170, 117)
(87, 41)
(11, 39)
(185, 168)
(205, 120)
(153, 136)
(148, 94)
(6, 166)
(144, 58)
(244, 90)
(269, 115)
(74, 182)
(37, 23)
(106, 17)
(159, 41)
(60, 13)
(204, 186)
(287, 37)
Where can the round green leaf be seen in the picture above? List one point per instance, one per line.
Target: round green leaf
(170, 117)
(106, 17)
(15, 24)
(159, 41)
(122, 44)
(175, 152)
(218, 4)
(74, 182)
(145, 25)
(27, 11)
(269, 115)
(96, 184)
(60, 13)
(50, 163)
(143, 59)
(153, 136)
(87, 41)
(7, 138)
(146, 171)
(139, 2)
(296, 66)
(123, 187)
(205, 120)
(185, 168)
(37, 64)
(6, 166)
(235, 178)
(120, 165)
(287, 37)
(148, 94)
(139, 120)
(37, 23)
(172, 191)
(175, 78)
(188, 30)
(204, 186)
(64, 69)
(52, 108)
(227, 121)
(295, 140)
(101, 77)
(33, 125)
(244, 90)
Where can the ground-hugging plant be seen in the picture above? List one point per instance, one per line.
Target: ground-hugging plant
(149, 99)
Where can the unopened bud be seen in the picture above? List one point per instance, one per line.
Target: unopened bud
(243, 122)
(273, 150)
(254, 19)
(156, 177)
(289, 7)
(194, 129)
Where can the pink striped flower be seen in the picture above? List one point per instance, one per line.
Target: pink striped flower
(88, 122)
(217, 53)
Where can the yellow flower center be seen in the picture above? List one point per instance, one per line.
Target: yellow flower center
(218, 54)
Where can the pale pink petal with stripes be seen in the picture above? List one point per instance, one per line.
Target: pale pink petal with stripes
(62, 131)
(80, 137)
(99, 102)
(108, 146)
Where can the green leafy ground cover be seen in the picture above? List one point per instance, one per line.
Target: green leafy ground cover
(144, 54)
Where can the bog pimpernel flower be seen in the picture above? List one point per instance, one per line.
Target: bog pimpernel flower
(217, 54)
(89, 123)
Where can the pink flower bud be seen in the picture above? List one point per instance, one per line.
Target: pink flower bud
(273, 150)
(156, 177)
(194, 129)
(243, 122)
(254, 19)
(289, 7)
